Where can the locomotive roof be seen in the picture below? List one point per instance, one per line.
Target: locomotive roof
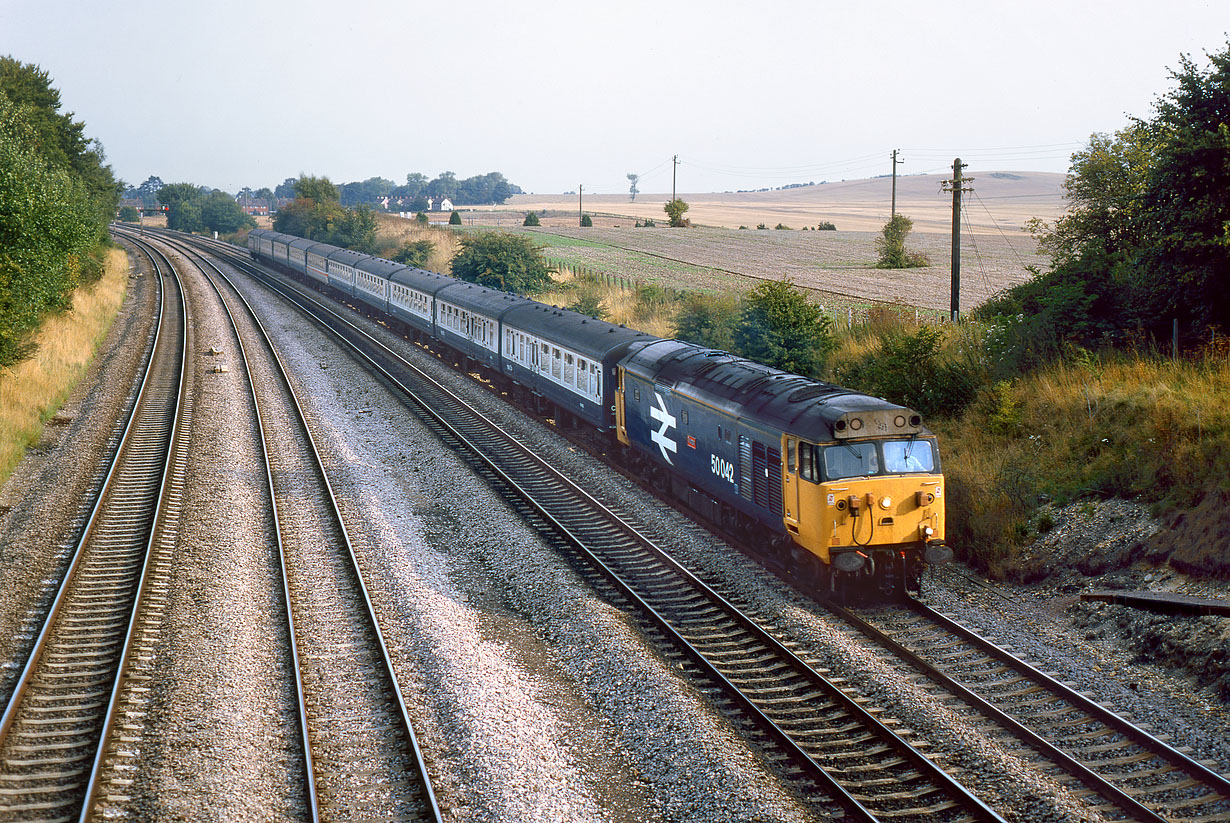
(585, 335)
(744, 388)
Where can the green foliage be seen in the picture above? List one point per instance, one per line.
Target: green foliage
(633, 191)
(55, 202)
(591, 304)
(825, 225)
(781, 227)
(890, 246)
(421, 218)
(586, 221)
(1144, 240)
(709, 321)
(760, 226)
(509, 262)
(780, 328)
(910, 369)
(674, 211)
(129, 214)
(319, 189)
(414, 253)
(647, 224)
(531, 219)
(454, 219)
(327, 220)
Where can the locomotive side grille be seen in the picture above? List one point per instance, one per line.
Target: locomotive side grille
(760, 475)
(745, 467)
(774, 471)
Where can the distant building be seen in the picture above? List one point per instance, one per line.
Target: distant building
(253, 206)
(446, 204)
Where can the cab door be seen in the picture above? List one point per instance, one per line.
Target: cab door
(790, 482)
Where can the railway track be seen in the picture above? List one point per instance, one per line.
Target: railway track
(62, 711)
(841, 752)
(361, 755)
(1128, 771)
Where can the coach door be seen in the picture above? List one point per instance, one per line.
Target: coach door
(790, 483)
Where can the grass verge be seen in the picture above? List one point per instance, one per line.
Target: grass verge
(32, 390)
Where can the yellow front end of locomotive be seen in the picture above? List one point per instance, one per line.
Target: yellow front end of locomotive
(886, 512)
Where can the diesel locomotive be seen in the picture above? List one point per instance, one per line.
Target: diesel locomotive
(843, 488)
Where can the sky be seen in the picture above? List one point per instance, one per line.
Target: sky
(557, 95)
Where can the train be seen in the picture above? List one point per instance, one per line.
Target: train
(843, 489)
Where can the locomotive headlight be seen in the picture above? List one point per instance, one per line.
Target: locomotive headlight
(856, 423)
(927, 531)
(886, 502)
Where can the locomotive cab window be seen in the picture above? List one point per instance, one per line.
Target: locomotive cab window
(851, 460)
(809, 468)
(904, 456)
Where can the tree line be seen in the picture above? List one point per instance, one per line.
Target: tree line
(1145, 240)
(57, 196)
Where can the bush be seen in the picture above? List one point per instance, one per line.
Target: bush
(414, 253)
(531, 219)
(909, 368)
(421, 218)
(709, 321)
(454, 219)
(781, 227)
(591, 304)
(586, 221)
(674, 210)
(129, 214)
(780, 328)
(760, 226)
(826, 226)
(891, 246)
(509, 262)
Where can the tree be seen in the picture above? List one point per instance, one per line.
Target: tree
(509, 262)
(319, 189)
(531, 219)
(129, 214)
(220, 213)
(454, 219)
(1187, 266)
(633, 191)
(674, 210)
(891, 246)
(176, 197)
(586, 221)
(264, 193)
(1143, 241)
(780, 328)
(285, 189)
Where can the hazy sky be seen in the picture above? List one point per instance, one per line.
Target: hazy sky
(556, 94)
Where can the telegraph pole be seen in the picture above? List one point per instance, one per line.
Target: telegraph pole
(895, 162)
(674, 168)
(580, 203)
(956, 185)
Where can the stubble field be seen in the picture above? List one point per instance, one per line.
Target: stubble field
(838, 267)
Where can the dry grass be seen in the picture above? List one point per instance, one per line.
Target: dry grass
(32, 391)
(392, 231)
(1123, 426)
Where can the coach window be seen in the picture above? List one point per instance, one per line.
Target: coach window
(569, 370)
(791, 448)
(555, 362)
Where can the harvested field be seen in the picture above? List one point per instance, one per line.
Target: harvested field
(837, 266)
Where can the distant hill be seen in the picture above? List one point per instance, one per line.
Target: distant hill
(1001, 200)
